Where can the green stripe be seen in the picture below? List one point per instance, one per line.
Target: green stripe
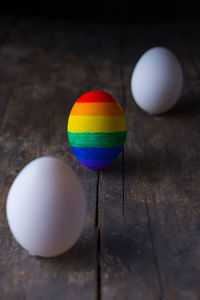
(98, 140)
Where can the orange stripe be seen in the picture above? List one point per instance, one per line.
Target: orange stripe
(96, 109)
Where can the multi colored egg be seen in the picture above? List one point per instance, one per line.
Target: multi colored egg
(96, 129)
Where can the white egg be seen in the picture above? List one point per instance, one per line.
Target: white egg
(157, 80)
(46, 207)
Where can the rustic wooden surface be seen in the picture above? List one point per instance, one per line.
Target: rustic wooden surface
(142, 234)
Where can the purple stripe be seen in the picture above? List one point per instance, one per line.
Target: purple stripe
(95, 165)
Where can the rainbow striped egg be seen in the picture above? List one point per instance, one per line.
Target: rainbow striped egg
(96, 129)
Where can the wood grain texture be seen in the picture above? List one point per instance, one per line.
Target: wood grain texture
(43, 67)
(169, 170)
(127, 266)
(141, 238)
(6, 27)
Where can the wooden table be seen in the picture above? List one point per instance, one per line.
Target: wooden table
(141, 239)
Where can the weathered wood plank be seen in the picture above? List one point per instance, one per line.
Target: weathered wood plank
(141, 237)
(48, 71)
(127, 265)
(7, 24)
(166, 159)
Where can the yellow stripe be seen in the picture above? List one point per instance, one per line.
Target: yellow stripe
(79, 124)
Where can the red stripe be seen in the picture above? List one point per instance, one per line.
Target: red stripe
(96, 96)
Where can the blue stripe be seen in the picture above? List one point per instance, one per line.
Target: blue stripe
(97, 154)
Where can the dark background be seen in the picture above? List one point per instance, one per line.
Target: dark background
(114, 11)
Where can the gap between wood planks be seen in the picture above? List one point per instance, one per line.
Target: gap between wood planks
(97, 226)
(155, 258)
(154, 253)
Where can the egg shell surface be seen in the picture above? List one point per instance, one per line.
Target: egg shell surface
(96, 129)
(46, 207)
(157, 80)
